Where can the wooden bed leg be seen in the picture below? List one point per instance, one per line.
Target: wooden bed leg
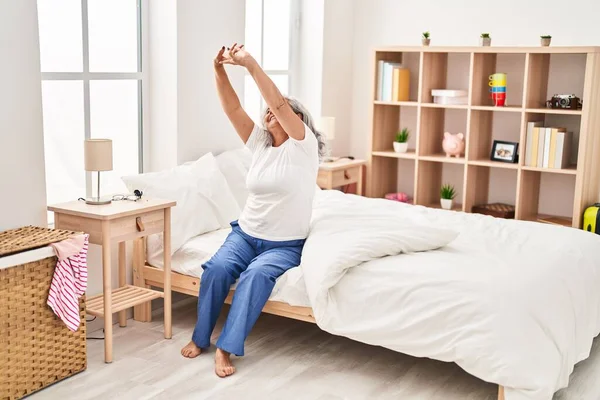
(500, 392)
(142, 312)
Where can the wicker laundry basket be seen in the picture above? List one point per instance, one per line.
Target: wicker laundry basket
(36, 348)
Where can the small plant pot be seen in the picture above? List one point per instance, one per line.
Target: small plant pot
(425, 42)
(447, 204)
(485, 41)
(545, 42)
(400, 147)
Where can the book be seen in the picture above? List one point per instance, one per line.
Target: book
(535, 147)
(552, 158)
(529, 141)
(547, 143)
(563, 150)
(541, 145)
(400, 84)
(380, 79)
(388, 72)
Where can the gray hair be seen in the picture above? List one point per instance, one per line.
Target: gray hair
(307, 119)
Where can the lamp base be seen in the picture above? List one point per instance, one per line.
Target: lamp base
(95, 201)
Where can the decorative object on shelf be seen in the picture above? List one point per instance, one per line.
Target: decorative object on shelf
(400, 197)
(485, 39)
(547, 147)
(98, 157)
(447, 195)
(401, 141)
(453, 145)
(505, 151)
(591, 219)
(450, 97)
(497, 83)
(545, 40)
(498, 210)
(564, 102)
(393, 81)
(426, 39)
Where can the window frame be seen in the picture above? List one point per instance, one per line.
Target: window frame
(141, 76)
(294, 48)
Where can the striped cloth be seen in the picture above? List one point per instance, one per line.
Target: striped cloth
(70, 279)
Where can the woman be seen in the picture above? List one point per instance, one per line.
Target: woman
(267, 239)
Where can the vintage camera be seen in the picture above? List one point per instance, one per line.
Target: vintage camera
(564, 101)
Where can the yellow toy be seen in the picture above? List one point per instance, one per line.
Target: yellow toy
(591, 219)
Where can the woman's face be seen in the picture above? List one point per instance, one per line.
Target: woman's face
(271, 122)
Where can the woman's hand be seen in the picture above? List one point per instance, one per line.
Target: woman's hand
(236, 55)
(218, 61)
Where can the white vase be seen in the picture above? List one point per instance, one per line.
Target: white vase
(400, 147)
(545, 42)
(485, 41)
(446, 204)
(425, 42)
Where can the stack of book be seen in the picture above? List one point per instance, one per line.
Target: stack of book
(393, 81)
(547, 147)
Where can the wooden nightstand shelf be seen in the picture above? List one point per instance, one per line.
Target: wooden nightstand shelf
(113, 223)
(341, 173)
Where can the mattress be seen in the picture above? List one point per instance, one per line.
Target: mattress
(188, 260)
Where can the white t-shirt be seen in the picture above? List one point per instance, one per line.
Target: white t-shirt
(281, 184)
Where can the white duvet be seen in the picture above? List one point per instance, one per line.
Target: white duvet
(511, 302)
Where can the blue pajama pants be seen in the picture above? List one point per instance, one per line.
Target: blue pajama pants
(257, 264)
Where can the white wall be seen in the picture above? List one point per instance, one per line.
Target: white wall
(202, 28)
(22, 175)
(338, 37)
(511, 22)
(162, 58)
(307, 83)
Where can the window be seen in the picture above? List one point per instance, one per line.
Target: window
(270, 37)
(92, 81)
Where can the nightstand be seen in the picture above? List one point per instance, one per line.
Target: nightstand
(114, 223)
(341, 173)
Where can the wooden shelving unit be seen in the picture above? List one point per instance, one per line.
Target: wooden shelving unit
(534, 75)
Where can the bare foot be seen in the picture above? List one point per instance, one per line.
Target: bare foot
(191, 350)
(223, 365)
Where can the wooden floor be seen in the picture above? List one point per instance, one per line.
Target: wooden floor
(285, 359)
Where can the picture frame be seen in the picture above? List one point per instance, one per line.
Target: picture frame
(503, 151)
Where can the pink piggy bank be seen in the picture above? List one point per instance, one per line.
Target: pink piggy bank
(453, 145)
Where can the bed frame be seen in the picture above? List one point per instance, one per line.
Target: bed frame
(147, 276)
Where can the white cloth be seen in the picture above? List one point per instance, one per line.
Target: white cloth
(511, 302)
(281, 185)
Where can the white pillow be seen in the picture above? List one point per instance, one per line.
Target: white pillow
(234, 164)
(204, 201)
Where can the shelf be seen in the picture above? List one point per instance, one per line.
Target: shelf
(442, 158)
(122, 298)
(572, 170)
(452, 106)
(553, 220)
(554, 111)
(397, 103)
(410, 154)
(502, 109)
(455, 206)
(494, 164)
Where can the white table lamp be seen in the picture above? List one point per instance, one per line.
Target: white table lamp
(98, 157)
(326, 125)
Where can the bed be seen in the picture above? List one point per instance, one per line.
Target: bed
(515, 303)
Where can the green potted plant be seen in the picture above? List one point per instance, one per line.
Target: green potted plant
(425, 39)
(545, 40)
(485, 39)
(401, 141)
(447, 194)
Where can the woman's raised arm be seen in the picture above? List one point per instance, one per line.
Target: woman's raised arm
(288, 120)
(230, 102)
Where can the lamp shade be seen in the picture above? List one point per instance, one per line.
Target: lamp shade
(98, 155)
(326, 125)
